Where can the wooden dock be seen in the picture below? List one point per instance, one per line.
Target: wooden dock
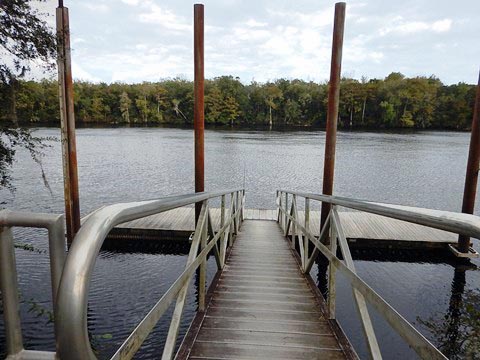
(263, 307)
(363, 230)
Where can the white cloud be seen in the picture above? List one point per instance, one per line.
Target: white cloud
(79, 73)
(442, 25)
(255, 23)
(96, 7)
(131, 2)
(399, 26)
(164, 17)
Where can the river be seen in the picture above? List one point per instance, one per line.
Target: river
(126, 164)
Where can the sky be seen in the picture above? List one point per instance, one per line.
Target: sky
(262, 40)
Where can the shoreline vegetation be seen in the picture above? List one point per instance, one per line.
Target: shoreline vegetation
(396, 102)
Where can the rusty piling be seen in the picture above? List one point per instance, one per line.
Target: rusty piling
(67, 121)
(333, 103)
(471, 177)
(198, 113)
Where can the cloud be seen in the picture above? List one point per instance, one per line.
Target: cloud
(255, 23)
(164, 17)
(79, 73)
(400, 26)
(96, 7)
(131, 2)
(442, 25)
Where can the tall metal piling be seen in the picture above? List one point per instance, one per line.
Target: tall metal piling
(471, 177)
(333, 103)
(198, 113)
(67, 121)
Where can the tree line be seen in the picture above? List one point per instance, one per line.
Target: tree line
(393, 102)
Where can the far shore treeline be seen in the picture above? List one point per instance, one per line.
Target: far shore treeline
(393, 102)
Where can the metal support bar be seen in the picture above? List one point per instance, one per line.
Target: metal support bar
(306, 244)
(169, 348)
(362, 309)
(9, 287)
(331, 274)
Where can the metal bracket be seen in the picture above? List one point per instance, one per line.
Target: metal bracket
(472, 253)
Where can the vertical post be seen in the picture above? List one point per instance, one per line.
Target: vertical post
(279, 213)
(306, 243)
(333, 102)
(198, 111)
(9, 288)
(294, 226)
(332, 273)
(286, 214)
(223, 236)
(67, 120)
(232, 224)
(471, 177)
(203, 267)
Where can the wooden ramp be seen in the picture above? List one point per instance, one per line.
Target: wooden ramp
(262, 306)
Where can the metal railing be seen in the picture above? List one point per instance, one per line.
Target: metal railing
(71, 310)
(332, 235)
(8, 274)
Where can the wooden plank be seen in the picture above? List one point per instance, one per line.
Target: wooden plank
(279, 337)
(313, 327)
(212, 350)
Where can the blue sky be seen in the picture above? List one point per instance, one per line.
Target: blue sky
(261, 40)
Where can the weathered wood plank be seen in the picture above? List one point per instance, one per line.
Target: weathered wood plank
(212, 350)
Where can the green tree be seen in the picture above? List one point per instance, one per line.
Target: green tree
(24, 38)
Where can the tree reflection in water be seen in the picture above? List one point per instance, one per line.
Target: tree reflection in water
(457, 332)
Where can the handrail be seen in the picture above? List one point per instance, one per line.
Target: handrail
(333, 231)
(464, 224)
(71, 311)
(8, 273)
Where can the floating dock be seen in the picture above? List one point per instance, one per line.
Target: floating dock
(363, 230)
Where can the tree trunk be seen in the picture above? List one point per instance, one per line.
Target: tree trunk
(145, 116)
(351, 116)
(270, 123)
(363, 111)
(13, 102)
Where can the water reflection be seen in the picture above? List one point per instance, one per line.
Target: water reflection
(457, 333)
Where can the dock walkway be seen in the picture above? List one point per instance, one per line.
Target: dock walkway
(262, 306)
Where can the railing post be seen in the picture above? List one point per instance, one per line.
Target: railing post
(331, 272)
(293, 222)
(239, 207)
(243, 204)
(286, 213)
(9, 287)
(203, 268)
(306, 243)
(279, 205)
(333, 103)
(232, 224)
(222, 237)
(471, 178)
